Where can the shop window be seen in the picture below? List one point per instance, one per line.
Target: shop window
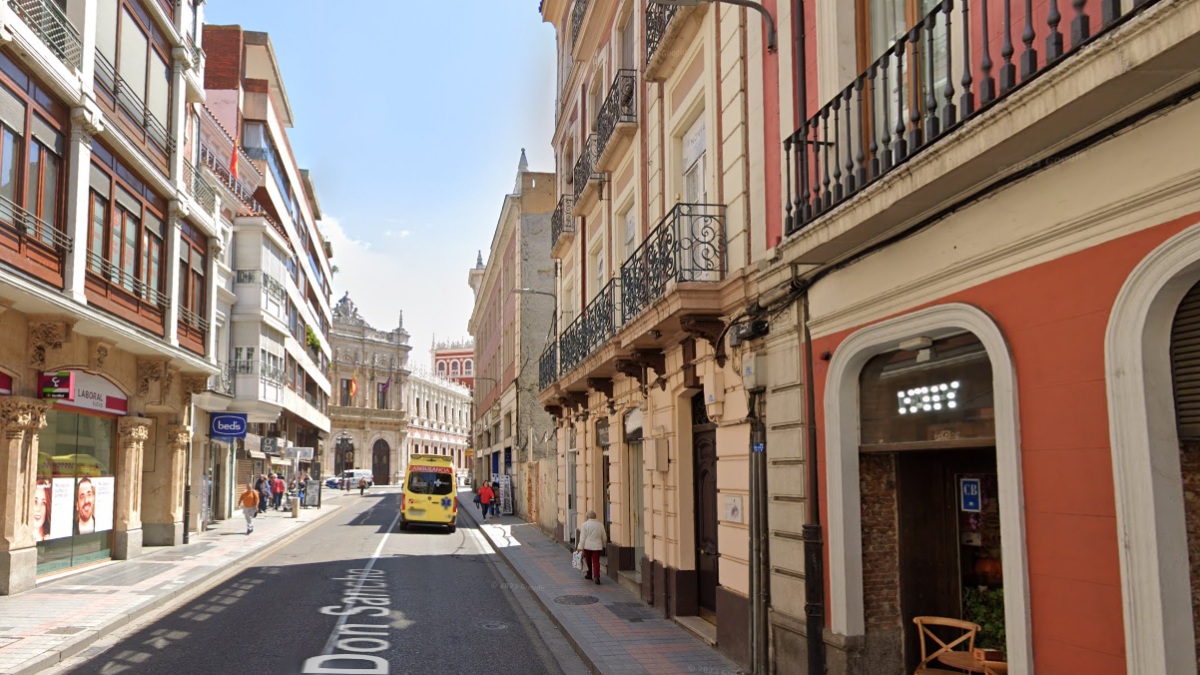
(75, 491)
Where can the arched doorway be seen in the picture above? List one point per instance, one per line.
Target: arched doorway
(381, 462)
(343, 456)
(1185, 376)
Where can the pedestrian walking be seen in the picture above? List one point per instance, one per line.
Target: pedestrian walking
(592, 541)
(362, 486)
(301, 488)
(486, 496)
(277, 489)
(249, 504)
(264, 494)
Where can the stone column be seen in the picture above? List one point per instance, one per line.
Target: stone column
(133, 432)
(164, 489)
(20, 420)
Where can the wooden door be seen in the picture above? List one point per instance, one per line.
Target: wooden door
(704, 446)
(381, 463)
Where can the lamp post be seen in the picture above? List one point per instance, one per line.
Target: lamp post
(772, 38)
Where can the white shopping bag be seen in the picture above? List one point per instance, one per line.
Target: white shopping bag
(577, 560)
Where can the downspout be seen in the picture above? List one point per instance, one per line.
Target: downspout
(759, 554)
(814, 560)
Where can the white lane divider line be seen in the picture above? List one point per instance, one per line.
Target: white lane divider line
(333, 636)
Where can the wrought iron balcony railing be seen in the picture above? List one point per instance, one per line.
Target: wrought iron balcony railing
(548, 365)
(222, 382)
(585, 165)
(243, 367)
(197, 52)
(572, 345)
(687, 245)
(125, 279)
(577, 14)
(130, 102)
(620, 107)
(199, 189)
(562, 222)
(658, 18)
(919, 90)
(588, 333)
(53, 28)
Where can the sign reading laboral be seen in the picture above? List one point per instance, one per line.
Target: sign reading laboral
(83, 390)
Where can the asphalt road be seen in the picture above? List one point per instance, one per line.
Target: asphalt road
(353, 594)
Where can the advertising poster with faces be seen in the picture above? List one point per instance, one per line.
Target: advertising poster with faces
(94, 504)
(62, 508)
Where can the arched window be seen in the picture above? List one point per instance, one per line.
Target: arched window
(467, 368)
(454, 368)
(441, 368)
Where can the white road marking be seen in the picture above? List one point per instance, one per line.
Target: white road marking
(333, 636)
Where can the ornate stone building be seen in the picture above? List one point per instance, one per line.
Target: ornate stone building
(369, 418)
(439, 418)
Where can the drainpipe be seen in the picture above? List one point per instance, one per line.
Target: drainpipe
(759, 556)
(814, 561)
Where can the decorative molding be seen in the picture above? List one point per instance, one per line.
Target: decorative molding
(149, 371)
(134, 429)
(653, 358)
(554, 410)
(178, 209)
(631, 369)
(193, 384)
(843, 495)
(46, 335)
(1147, 477)
(178, 436)
(98, 349)
(708, 328)
(603, 385)
(18, 413)
(86, 122)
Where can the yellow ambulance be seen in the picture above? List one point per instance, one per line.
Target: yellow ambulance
(429, 496)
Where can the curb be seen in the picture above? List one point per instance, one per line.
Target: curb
(579, 651)
(222, 574)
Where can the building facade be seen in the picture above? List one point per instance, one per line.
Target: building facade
(109, 240)
(439, 418)
(510, 323)
(455, 361)
(962, 355)
(280, 322)
(370, 368)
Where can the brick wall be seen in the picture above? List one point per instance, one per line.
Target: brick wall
(880, 545)
(1190, 464)
(223, 52)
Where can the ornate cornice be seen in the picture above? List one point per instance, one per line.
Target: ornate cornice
(134, 429)
(178, 436)
(18, 413)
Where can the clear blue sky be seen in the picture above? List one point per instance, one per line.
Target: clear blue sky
(411, 115)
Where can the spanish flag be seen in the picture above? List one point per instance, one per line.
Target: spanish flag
(354, 387)
(233, 161)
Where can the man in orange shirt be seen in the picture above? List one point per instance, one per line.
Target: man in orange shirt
(486, 496)
(249, 503)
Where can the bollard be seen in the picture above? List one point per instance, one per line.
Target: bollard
(296, 506)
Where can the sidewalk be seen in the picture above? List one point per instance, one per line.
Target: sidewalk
(616, 633)
(60, 618)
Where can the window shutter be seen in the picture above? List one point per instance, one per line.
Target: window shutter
(1185, 364)
(12, 110)
(129, 202)
(47, 135)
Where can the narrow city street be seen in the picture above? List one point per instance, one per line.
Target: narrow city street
(426, 601)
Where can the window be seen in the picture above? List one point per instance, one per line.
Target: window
(441, 367)
(125, 245)
(629, 241)
(346, 393)
(193, 308)
(133, 68)
(454, 368)
(258, 144)
(381, 395)
(628, 55)
(467, 368)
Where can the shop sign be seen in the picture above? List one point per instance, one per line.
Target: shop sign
(5, 385)
(970, 495)
(302, 454)
(83, 390)
(57, 386)
(270, 445)
(228, 425)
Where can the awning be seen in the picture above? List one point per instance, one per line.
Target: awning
(257, 455)
(280, 462)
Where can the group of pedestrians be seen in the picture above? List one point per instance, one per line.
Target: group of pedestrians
(267, 492)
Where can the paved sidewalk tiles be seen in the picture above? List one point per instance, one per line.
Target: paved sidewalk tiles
(616, 634)
(60, 618)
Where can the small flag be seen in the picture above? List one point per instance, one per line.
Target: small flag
(233, 161)
(354, 386)
(387, 385)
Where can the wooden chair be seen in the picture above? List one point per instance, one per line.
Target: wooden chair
(945, 648)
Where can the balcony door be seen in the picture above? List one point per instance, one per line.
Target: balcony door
(696, 227)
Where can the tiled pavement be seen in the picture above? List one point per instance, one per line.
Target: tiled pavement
(60, 618)
(615, 634)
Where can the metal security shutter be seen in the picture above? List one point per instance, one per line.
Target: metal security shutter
(1185, 364)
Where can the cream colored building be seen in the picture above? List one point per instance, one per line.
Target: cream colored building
(370, 425)
(439, 418)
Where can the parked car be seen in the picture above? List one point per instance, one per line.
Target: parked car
(353, 475)
(333, 482)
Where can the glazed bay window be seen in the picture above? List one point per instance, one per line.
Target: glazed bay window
(133, 74)
(256, 140)
(125, 244)
(193, 302)
(31, 176)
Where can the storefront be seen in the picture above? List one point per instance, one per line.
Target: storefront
(74, 499)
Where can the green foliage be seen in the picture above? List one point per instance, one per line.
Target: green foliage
(311, 339)
(985, 606)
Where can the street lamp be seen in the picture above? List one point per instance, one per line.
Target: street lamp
(532, 291)
(772, 38)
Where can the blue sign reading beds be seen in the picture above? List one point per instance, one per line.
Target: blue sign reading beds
(227, 425)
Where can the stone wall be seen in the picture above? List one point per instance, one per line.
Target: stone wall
(1189, 460)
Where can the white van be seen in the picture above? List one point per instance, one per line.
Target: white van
(352, 477)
